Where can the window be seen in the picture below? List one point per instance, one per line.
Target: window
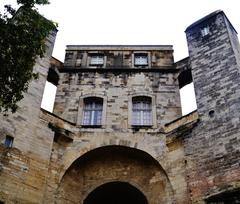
(68, 55)
(8, 141)
(141, 111)
(205, 31)
(92, 111)
(97, 60)
(141, 59)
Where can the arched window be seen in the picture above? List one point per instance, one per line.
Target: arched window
(92, 111)
(141, 111)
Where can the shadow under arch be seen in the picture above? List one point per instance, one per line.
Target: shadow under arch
(115, 163)
(73, 155)
(117, 193)
(109, 148)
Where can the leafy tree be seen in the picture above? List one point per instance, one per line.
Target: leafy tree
(22, 39)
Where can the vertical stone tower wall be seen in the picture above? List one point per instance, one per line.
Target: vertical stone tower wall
(24, 167)
(213, 149)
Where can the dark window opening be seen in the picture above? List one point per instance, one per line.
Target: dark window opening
(8, 141)
(68, 56)
(53, 77)
(185, 78)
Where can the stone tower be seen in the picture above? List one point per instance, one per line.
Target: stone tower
(26, 142)
(117, 134)
(212, 149)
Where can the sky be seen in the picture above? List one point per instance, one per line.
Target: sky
(139, 22)
(161, 22)
(131, 21)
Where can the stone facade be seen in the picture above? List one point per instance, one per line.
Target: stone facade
(117, 135)
(24, 166)
(214, 154)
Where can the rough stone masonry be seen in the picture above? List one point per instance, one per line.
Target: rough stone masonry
(117, 135)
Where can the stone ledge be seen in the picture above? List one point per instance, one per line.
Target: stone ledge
(181, 125)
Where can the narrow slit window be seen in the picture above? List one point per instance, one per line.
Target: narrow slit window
(8, 141)
(205, 31)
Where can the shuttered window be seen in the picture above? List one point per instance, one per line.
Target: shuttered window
(92, 112)
(141, 111)
(97, 60)
(140, 59)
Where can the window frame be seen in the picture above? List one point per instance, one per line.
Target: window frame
(141, 111)
(92, 111)
(8, 142)
(91, 55)
(139, 54)
(80, 116)
(153, 111)
(205, 31)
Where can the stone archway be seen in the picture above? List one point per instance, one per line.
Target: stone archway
(116, 166)
(117, 193)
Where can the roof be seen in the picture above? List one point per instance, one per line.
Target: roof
(196, 23)
(119, 47)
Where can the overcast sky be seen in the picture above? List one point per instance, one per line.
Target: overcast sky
(160, 22)
(130, 21)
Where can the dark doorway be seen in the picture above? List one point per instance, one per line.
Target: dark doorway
(228, 197)
(116, 193)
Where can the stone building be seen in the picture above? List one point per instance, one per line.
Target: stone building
(117, 135)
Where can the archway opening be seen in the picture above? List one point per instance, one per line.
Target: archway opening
(117, 193)
(96, 168)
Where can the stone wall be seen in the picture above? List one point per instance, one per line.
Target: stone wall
(190, 159)
(118, 56)
(24, 167)
(97, 157)
(115, 163)
(212, 149)
(118, 88)
(116, 144)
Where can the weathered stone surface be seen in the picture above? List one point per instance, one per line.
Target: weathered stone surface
(55, 158)
(212, 149)
(25, 166)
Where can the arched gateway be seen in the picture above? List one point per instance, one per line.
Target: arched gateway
(117, 193)
(115, 174)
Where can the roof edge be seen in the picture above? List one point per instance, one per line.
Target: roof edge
(210, 16)
(119, 47)
(203, 19)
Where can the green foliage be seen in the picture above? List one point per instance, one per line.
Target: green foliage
(22, 40)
